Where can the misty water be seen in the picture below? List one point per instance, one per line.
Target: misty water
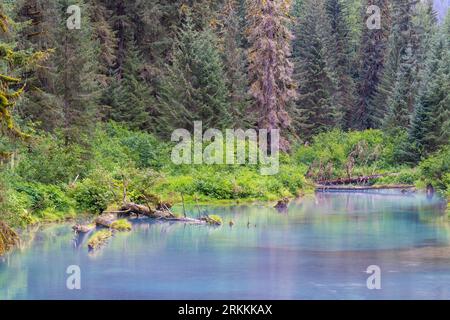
(319, 248)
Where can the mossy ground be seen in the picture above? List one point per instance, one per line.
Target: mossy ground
(99, 239)
(121, 225)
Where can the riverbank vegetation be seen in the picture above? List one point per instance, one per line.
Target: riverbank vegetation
(52, 182)
(86, 114)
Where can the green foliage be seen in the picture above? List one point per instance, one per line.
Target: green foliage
(42, 196)
(337, 153)
(49, 160)
(403, 176)
(29, 202)
(129, 98)
(117, 147)
(314, 111)
(194, 85)
(156, 66)
(93, 194)
(13, 205)
(436, 169)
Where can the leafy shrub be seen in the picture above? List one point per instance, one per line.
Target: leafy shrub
(42, 196)
(214, 186)
(140, 148)
(330, 152)
(436, 168)
(404, 176)
(51, 161)
(13, 205)
(92, 195)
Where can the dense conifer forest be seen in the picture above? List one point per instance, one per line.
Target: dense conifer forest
(88, 112)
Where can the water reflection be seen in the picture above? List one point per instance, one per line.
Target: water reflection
(318, 248)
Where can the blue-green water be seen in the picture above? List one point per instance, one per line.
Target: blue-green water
(320, 248)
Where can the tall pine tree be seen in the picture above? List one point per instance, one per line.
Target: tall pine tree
(41, 104)
(270, 67)
(341, 59)
(77, 74)
(194, 87)
(130, 99)
(395, 99)
(314, 111)
(372, 59)
(231, 45)
(430, 128)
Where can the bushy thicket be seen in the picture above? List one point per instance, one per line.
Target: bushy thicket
(436, 170)
(52, 180)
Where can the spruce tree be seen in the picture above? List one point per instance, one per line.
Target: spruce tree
(77, 74)
(314, 111)
(430, 128)
(14, 63)
(270, 68)
(194, 86)
(400, 70)
(231, 45)
(40, 105)
(130, 100)
(401, 100)
(341, 63)
(372, 59)
(425, 26)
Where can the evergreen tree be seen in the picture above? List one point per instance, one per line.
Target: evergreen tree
(231, 44)
(194, 87)
(13, 63)
(395, 97)
(314, 111)
(372, 58)
(130, 98)
(40, 105)
(344, 94)
(400, 101)
(430, 128)
(270, 68)
(425, 26)
(77, 74)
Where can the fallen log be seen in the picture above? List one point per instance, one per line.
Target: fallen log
(165, 214)
(404, 188)
(353, 180)
(138, 209)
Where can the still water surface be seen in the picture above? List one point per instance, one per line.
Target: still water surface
(319, 248)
